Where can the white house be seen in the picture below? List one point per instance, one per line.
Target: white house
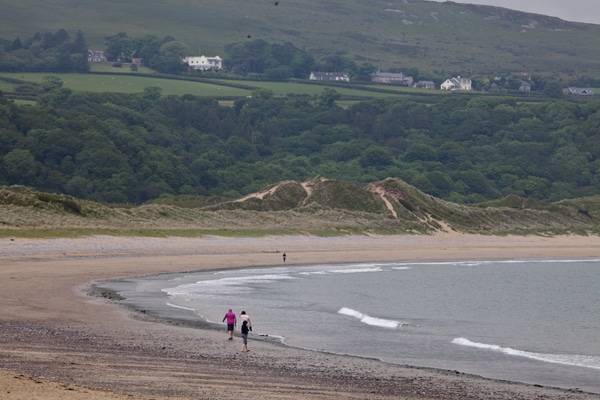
(204, 63)
(96, 56)
(457, 83)
(329, 76)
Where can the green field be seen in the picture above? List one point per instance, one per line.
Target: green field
(107, 68)
(6, 86)
(130, 83)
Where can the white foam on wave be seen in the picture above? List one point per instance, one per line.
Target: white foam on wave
(351, 269)
(564, 359)
(356, 270)
(350, 312)
(218, 286)
(180, 307)
(367, 319)
(459, 263)
(314, 273)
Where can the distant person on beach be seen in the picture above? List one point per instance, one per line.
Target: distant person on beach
(284, 257)
(231, 322)
(246, 327)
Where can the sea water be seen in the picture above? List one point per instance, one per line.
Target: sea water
(532, 321)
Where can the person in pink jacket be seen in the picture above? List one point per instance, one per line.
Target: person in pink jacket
(231, 322)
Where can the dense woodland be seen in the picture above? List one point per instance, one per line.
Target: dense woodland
(133, 148)
(47, 52)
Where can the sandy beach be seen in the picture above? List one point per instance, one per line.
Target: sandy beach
(57, 341)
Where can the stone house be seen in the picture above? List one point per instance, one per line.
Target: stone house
(426, 84)
(392, 78)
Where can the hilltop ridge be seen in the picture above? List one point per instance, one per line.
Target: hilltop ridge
(399, 34)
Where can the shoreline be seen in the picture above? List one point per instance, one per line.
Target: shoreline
(189, 322)
(149, 303)
(52, 333)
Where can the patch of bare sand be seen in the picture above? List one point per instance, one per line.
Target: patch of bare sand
(57, 341)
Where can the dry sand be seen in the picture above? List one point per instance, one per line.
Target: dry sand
(57, 342)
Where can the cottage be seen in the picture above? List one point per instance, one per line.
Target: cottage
(525, 86)
(204, 63)
(426, 84)
(393, 78)
(457, 83)
(329, 76)
(96, 56)
(581, 91)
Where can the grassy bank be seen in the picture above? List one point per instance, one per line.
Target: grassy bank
(330, 208)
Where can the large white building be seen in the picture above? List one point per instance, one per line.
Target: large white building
(204, 63)
(457, 83)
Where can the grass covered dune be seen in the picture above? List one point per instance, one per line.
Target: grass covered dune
(57, 341)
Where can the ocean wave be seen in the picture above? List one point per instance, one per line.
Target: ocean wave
(564, 359)
(356, 270)
(180, 307)
(219, 285)
(496, 262)
(367, 319)
(314, 273)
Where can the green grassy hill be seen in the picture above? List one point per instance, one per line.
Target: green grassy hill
(318, 206)
(447, 38)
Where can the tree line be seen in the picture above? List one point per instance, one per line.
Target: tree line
(47, 52)
(252, 59)
(122, 148)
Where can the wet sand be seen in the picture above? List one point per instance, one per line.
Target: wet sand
(59, 342)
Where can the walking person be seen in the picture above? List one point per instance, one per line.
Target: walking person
(246, 317)
(246, 327)
(231, 322)
(284, 257)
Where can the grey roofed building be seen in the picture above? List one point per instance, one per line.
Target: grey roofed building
(581, 91)
(426, 84)
(525, 86)
(391, 77)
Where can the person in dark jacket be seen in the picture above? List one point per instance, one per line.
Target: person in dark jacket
(246, 327)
